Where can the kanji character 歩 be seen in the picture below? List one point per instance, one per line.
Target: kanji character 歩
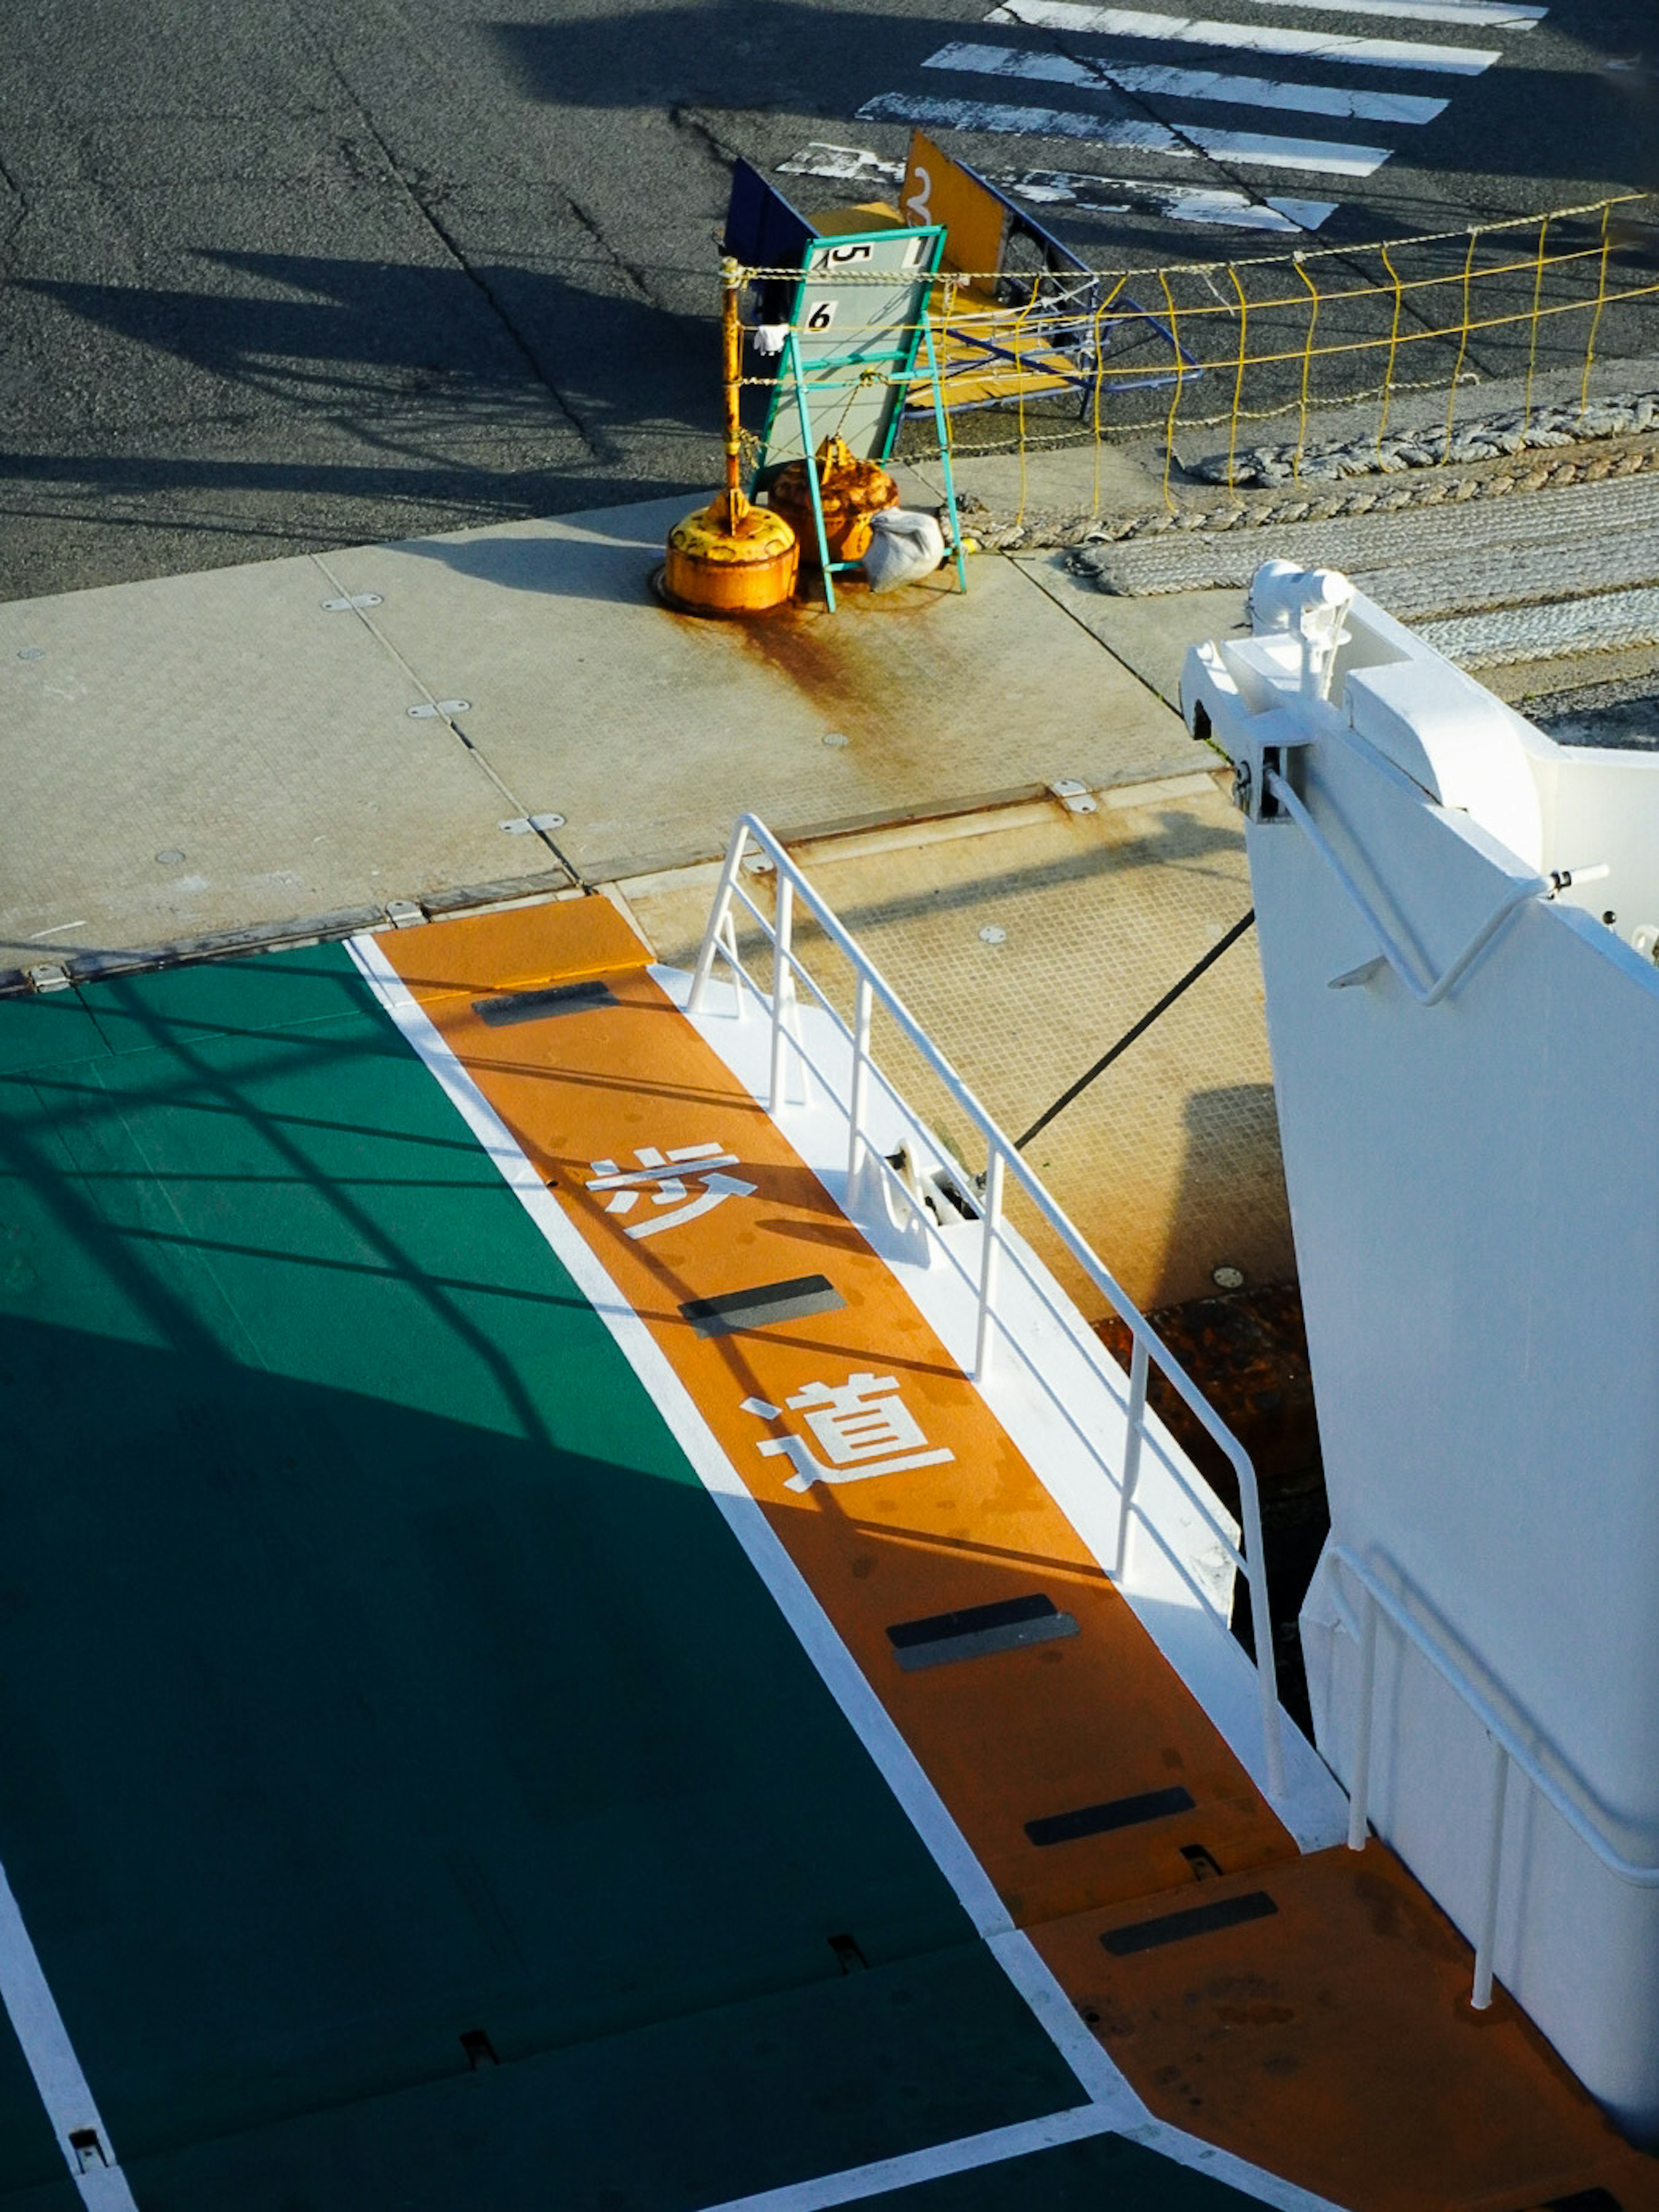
(669, 1177)
(863, 1426)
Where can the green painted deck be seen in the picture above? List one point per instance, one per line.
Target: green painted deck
(374, 1669)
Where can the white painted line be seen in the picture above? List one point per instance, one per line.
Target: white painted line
(857, 165)
(965, 2155)
(1032, 1977)
(1109, 2094)
(1179, 203)
(1066, 188)
(1324, 156)
(39, 2026)
(1075, 15)
(1187, 84)
(1035, 1982)
(1029, 122)
(1478, 15)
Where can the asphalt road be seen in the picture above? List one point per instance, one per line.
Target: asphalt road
(280, 275)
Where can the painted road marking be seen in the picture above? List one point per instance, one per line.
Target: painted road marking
(1113, 2103)
(1250, 38)
(965, 2155)
(859, 165)
(1484, 14)
(868, 1491)
(1326, 157)
(862, 1439)
(39, 2026)
(1187, 84)
(1178, 203)
(789, 1589)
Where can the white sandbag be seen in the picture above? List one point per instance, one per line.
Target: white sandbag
(904, 547)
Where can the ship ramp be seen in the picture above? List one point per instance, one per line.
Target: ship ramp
(582, 1624)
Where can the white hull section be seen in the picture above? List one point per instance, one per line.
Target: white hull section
(1466, 1057)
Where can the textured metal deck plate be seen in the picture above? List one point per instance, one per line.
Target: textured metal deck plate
(1117, 1813)
(1008, 1626)
(1196, 1920)
(793, 1300)
(513, 1006)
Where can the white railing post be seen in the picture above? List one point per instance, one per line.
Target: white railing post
(1261, 1622)
(1132, 1435)
(729, 945)
(793, 1017)
(782, 930)
(990, 1252)
(1487, 1944)
(1509, 1752)
(720, 915)
(1359, 1786)
(863, 1002)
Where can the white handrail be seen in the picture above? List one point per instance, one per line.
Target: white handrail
(1427, 992)
(1507, 1753)
(1003, 1161)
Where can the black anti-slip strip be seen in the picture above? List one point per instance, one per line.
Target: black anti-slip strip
(970, 1621)
(1117, 1813)
(500, 1013)
(773, 1301)
(1196, 1920)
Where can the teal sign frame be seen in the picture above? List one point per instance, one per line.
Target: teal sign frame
(858, 323)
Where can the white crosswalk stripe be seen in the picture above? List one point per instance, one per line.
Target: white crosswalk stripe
(864, 169)
(1326, 155)
(1186, 84)
(1475, 14)
(1077, 15)
(1128, 108)
(1177, 203)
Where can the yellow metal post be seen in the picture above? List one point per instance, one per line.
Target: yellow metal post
(730, 558)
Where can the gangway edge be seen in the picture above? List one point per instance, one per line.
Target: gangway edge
(1458, 919)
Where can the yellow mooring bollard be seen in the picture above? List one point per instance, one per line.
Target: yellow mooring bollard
(730, 558)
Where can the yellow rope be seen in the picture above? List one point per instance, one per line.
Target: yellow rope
(1024, 317)
(1336, 347)
(1174, 396)
(1024, 333)
(985, 277)
(1532, 348)
(1307, 364)
(1100, 366)
(1464, 340)
(1601, 301)
(1394, 347)
(1341, 346)
(1238, 380)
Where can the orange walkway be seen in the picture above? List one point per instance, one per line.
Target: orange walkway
(1309, 2013)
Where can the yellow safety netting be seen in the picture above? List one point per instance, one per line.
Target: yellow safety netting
(1043, 358)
